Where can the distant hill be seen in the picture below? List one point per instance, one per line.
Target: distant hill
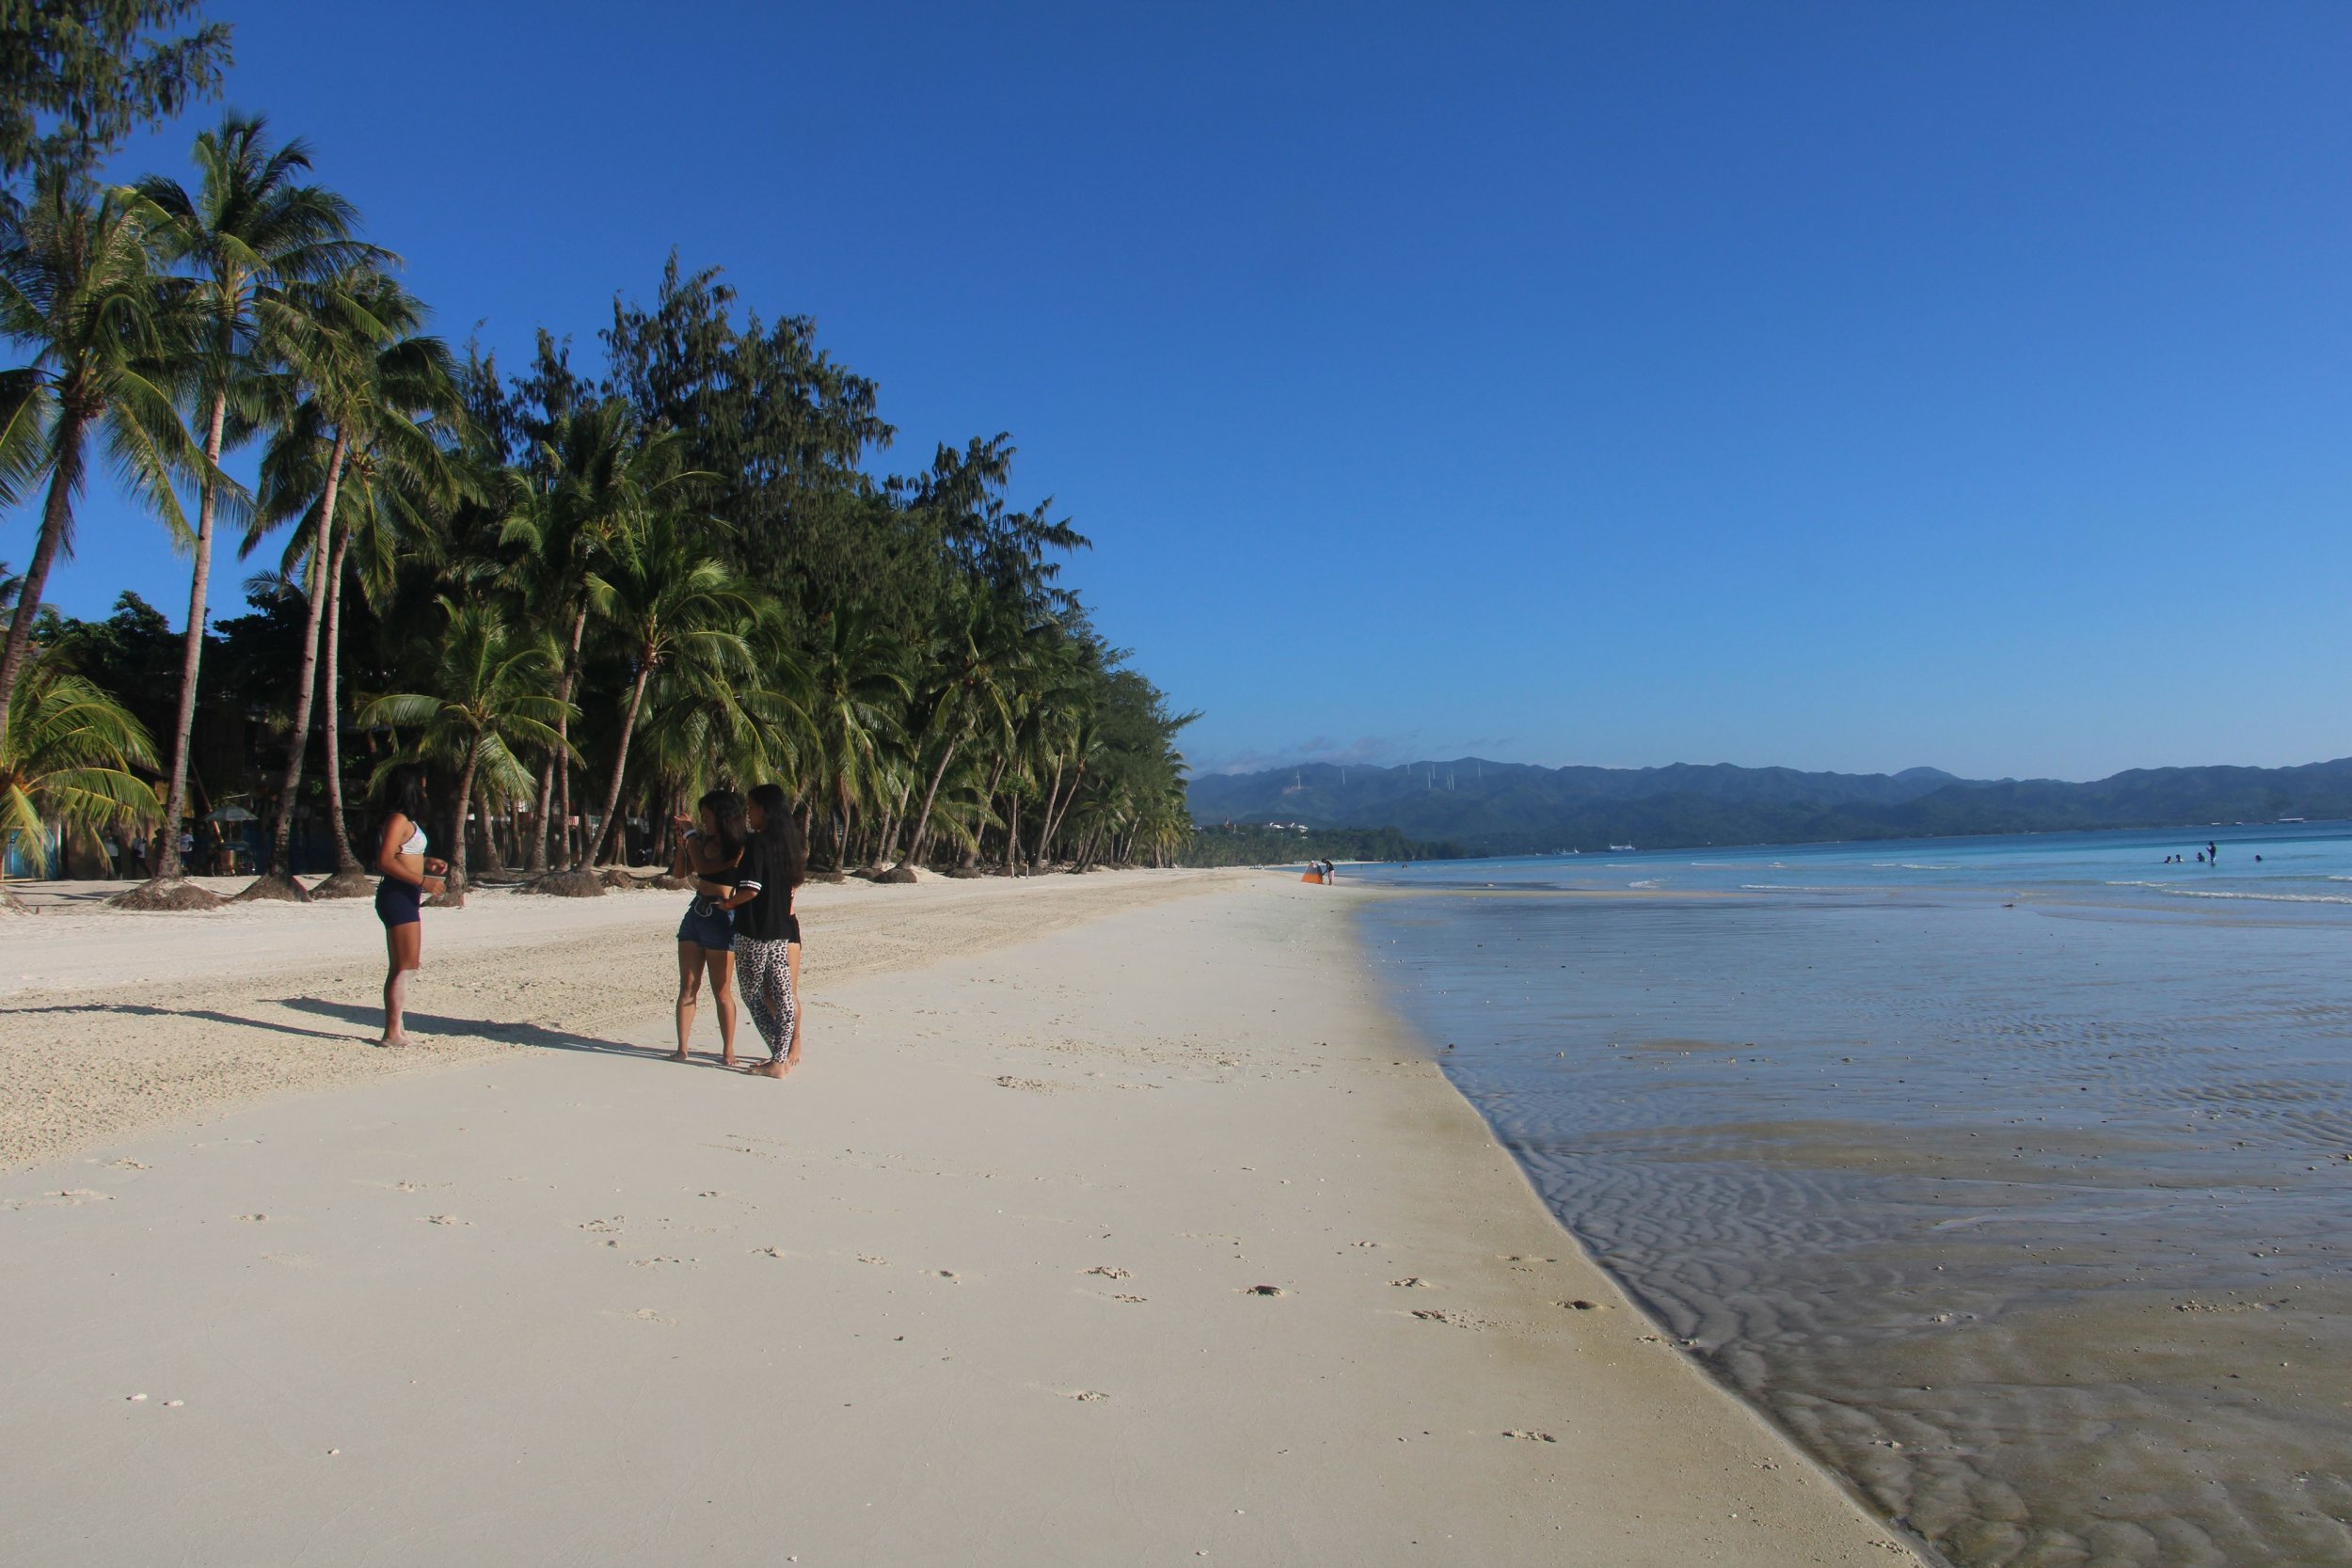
(1512, 808)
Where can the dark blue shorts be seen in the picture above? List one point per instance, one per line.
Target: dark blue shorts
(707, 926)
(398, 903)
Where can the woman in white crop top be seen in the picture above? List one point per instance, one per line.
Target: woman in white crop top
(409, 875)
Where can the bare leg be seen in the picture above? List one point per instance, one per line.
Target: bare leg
(690, 979)
(721, 965)
(404, 950)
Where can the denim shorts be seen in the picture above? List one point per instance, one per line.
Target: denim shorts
(709, 926)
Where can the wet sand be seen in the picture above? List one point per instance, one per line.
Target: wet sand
(1149, 1239)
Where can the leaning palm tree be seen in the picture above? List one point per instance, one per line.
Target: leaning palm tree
(248, 231)
(67, 758)
(857, 685)
(597, 476)
(108, 330)
(669, 603)
(399, 479)
(327, 400)
(491, 692)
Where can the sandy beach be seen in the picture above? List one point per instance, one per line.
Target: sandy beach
(1110, 1220)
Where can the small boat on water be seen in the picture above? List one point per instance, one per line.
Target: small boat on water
(1623, 848)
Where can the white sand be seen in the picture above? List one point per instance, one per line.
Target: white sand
(974, 1287)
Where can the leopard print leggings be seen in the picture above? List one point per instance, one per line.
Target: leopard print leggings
(763, 972)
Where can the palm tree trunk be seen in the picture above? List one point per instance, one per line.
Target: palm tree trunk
(454, 897)
(1012, 832)
(280, 874)
(536, 856)
(57, 516)
(1045, 833)
(620, 758)
(562, 748)
(931, 797)
(331, 636)
(167, 860)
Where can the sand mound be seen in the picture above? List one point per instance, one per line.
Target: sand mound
(353, 883)
(566, 885)
(284, 888)
(173, 894)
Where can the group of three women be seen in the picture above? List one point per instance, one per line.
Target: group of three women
(745, 857)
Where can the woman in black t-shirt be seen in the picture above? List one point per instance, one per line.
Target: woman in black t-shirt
(775, 863)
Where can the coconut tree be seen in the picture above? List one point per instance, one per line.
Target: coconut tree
(669, 603)
(399, 478)
(68, 757)
(327, 401)
(108, 331)
(492, 691)
(250, 228)
(977, 650)
(857, 686)
(580, 490)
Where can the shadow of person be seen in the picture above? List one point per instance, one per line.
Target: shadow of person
(534, 1034)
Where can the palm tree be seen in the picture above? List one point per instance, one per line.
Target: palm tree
(579, 492)
(247, 232)
(330, 399)
(977, 651)
(670, 605)
(490, 692)
(857, 683)
(68, 757)
(78, 284)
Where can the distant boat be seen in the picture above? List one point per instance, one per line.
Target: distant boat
(2290, 820)
(1621, 847)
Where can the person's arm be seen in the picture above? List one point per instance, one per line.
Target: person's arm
(745, 889)
(682, 862)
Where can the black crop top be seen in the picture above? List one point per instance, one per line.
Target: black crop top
(768, 917)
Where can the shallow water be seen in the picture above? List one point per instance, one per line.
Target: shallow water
(2034, 1220)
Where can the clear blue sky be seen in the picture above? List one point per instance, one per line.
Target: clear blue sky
(1841, 386)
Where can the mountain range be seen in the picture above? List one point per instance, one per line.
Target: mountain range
(1516, 808)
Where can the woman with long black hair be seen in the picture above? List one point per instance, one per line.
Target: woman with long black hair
(409, 875)
(706, 936)
(775, 861)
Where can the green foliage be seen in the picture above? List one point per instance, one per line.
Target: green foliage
(69, 757)
(77, 76)
(1256, 844)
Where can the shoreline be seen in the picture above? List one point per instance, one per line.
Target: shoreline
(982, 1278)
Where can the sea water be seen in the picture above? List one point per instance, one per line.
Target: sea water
(2013, 1176)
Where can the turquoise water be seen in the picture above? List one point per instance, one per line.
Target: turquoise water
(2013, 1176)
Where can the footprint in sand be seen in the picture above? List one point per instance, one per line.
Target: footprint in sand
(610, 1226)
(1413, 1282)
(1131, 1301)
(254, 1219)
(1033, 1085)
(647, 1315)
(656, 1262)
(1451, 1319)
(869, 1257)
(1107, 1272)
(1264, 1290)
(1531, 1437)
(947, 1274)
(445, 1219)
(1581, 1304)
(1087, 1396)
(767, 1252)
(128, 1163)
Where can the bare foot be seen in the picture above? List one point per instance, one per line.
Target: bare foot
(679, 1054)
(769, 1070)
(392, 1040)
(727, 1060)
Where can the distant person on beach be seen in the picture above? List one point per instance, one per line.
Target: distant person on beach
(2212, 852)
(138, 853)
(409, 875)
(188, 847)
(2201, 857)
(114, 855)
(767, 933)
(710, 851)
